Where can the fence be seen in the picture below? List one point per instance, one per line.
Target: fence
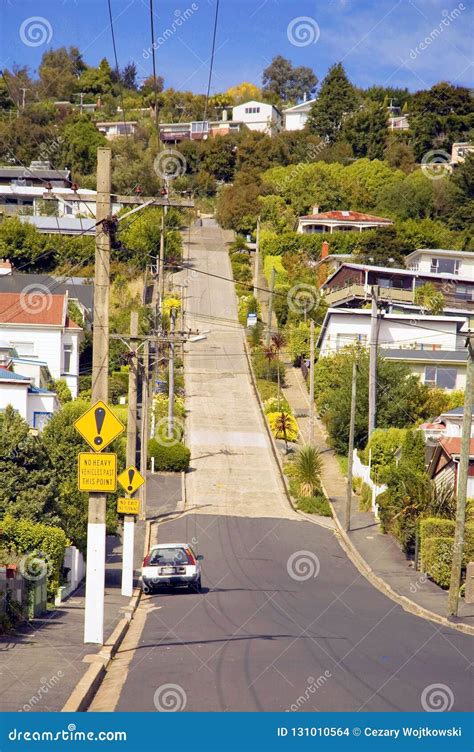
(74, 569)
(359, 470)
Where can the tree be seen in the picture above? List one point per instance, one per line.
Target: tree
(59, 71)
(430, 299)
(62, 390)
(306, 470)
(366, 131)
(128, 76)
(399, 155)
(244, 92)
(238, 205)
(287, 83)
(81, 141)
(28, 489)
(150, 86)
(462, 180)
(439, 117)
(381, 247)
(336, 100)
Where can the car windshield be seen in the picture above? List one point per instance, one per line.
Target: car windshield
(163, 556)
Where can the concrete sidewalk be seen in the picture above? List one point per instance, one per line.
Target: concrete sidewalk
(42, 662)
(380, 553)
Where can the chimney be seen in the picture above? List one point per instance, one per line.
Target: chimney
(224, 115)
(316, 209)
(324, 249)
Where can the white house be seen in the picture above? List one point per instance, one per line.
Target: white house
(339, 221)
(459, 151)
(115, 128)
(35, 405)
(37, 326)
(438, 358)
(67, 202)
(258, 116)
(440, 261)
(294, 118)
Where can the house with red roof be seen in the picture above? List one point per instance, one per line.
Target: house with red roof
(36, 325)
(444, 466)
(339, 221)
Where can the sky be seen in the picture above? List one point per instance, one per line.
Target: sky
(404, 43)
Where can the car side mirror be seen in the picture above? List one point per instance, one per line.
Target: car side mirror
(199, 557)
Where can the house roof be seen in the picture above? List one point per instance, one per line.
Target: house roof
(347, 216)
(6, 375)
(301, 106)
(74, 286)
(440, 251)
(24, 308)
(456, 411)
(57, 225)
(16, 173)
(70, 324)
(400, 272)
(452, 445)
(37, 390)
(422, 356)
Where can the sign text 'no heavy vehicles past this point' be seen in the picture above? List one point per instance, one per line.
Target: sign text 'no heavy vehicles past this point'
(99, 426)
(97, 472)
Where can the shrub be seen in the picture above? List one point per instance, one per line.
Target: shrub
(247, 304)
(437, 527)
(265, 369)
(283, 426)
(172, 458)
(274, 262)
(437, 559)
(365, 501)
(307, 471)
(160, 406)
(315, 505)
(274, 404)
(383, 444)
(266, 389)
(38, 542)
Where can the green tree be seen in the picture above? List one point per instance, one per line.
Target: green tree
(381, 247)
(430, 299)
(81, 141)
(62, 390)
(58, 73)
(366, 131)
(28, 488)
(336, 100)
(287, 83)
(462, 180)
(440, 116)
(306, 470)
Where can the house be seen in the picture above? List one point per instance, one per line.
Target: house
(116, 128)
(197, 130)
(35, 405)
(339, 221)
(60, 225)
(441, 261)
(80, 290)
(452, 422)
(258, 116)
(294, 118)
(351, 285)
(37, 326)
(444, 466)
(35, 175)
(398, 123)
(19, 199)
(432, 346)
(459, 151)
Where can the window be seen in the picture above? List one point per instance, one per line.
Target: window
(252, 110)
(40, 419)
(464, 292)
(442, 266)
(67, 354)
(24, 349)
(442, 377)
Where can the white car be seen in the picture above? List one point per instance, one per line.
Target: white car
(171, 564)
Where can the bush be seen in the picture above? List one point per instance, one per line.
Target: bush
(437, 559)
(247, 304)
(265, 369)
(173, 458)
(274, 262)
(383, 442)
(266, 389)
(365, 501)
(315, 505)
(276, 420)
(274, 404)
(38, 542)
(432, 528)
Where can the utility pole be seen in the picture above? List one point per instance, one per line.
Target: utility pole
(144, 433)
(23, 91)
(270, 307)
(453, 598)
(129, 519)
(171, 377)
(95, 573)
(311, 384)
(161, 271)
(374, 335)
(81, 105)
(347, 519)
(257, 260)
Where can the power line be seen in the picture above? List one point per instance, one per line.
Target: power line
(109, 3)
(153, 47)
(212, 59)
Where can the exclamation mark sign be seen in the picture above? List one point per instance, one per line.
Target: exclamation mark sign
(99, 414)
(131, 473)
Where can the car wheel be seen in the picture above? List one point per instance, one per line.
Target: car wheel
(195, 586)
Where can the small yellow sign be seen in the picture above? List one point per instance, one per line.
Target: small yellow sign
(99, 426)
(97, 472)
(128, 506)
(131, 479)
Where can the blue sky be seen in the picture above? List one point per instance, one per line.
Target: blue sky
(378, 42)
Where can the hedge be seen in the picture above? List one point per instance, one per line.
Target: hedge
(436, 547)
(274, 262)
(169, 458)
(36, 542)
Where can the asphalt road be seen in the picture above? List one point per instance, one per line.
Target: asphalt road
(285, 621)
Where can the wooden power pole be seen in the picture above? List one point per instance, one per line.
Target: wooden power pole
(270, 308)
(95, 571)
(463, 470)
(311, 384)
(129, 519)
(350, 453)
(257, 260)
(374, 323)
(171, 377)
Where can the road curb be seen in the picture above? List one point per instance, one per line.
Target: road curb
(406, 603)
(85, 690)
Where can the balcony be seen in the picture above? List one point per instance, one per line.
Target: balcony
(357, 291)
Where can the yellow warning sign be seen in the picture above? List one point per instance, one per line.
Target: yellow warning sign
(128, 506)
(99, 426)
(97, 472)
(131, 479)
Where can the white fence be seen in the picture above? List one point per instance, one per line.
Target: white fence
(359, 470)
(74, 563)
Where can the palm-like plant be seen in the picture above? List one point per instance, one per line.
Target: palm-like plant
(278, 342)
(307, 470)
